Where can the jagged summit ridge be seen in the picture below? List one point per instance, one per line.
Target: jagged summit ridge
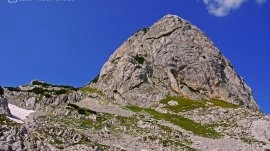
(172, 57)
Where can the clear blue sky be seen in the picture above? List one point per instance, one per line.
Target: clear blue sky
(68, 42)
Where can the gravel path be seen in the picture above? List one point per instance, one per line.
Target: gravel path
(95, 105)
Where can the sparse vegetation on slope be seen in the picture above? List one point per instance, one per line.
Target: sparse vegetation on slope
(7, 121)
(46, 85)
(185, 104)
(91, 90)
(185, 123)
(43, 88)
(15, 89)
(46, 92)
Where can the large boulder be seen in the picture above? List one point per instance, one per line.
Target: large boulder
(171, 57)
(30, 103)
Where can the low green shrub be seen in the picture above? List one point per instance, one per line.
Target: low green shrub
(61, 91)
(38, 90)
(43, 84)
(16, 89)
(46, 85)
(139, 59)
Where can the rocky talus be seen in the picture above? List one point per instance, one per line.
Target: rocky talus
(167, 88)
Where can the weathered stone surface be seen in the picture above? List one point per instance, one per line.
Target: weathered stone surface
(171, 57)
(142, 124)
(173, 103)
(4, 107)
(31, 102)
(260, 130)
(61, 99)
(41, 94)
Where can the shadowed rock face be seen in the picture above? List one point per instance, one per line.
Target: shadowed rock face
(171, 57)
(4, 107)
(3, 104)
(1, 91)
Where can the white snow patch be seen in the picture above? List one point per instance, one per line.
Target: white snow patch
(15, 120)
(18, 114)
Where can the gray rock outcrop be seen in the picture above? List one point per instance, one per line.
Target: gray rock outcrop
(4, 107)
(3, 103)
(31, 102)
(1, 91)
(39, 94)
(171, 57)
(260, 129)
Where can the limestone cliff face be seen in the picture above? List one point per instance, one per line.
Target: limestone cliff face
(171, 57)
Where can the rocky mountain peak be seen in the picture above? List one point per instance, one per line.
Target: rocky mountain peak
(172, 57)
(165, 88)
